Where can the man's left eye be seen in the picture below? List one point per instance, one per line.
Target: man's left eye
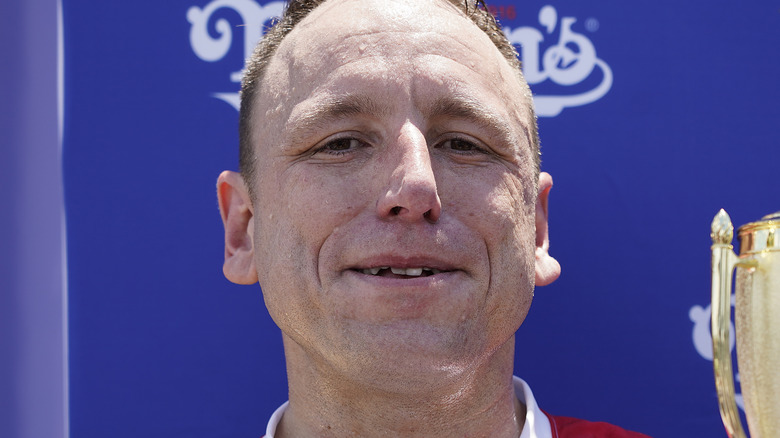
(461, 145)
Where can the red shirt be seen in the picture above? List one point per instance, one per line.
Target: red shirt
(566, 427)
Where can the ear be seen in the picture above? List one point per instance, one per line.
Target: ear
(547, 268)
(235, 206)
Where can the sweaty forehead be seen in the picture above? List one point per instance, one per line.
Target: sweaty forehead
(339, 31)
(389, 43)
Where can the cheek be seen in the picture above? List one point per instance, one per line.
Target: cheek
(498, 208)
(494, 202)
(508, 227)
(296, 213)
(512, 243)
(517, 206)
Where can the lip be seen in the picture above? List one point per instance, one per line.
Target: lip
(398, 297)
(399, 284)
(403, 263)
(430, 282)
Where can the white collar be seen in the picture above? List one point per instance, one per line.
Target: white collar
(536, 423)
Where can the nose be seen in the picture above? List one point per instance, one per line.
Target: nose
(411, 193)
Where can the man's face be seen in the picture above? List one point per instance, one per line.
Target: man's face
(393, 226)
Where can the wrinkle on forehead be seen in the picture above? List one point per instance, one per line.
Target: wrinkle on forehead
(394, 35)
(326, 34)
(293, 68)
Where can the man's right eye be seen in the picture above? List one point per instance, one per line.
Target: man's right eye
(340, 146)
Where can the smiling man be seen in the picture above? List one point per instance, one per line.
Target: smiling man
(391, 207)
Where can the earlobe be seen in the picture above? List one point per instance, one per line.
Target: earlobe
(547, 268)
(235, 207)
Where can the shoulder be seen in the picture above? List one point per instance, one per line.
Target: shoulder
(567, 427)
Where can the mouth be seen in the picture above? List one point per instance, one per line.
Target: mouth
(396, 272)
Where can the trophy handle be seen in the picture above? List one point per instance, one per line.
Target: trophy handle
(723, 263)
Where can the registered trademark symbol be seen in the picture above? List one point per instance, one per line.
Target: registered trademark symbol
(592, 24)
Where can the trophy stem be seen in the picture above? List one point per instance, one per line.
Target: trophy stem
(723, 262)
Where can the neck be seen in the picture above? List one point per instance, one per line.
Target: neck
(326, 403)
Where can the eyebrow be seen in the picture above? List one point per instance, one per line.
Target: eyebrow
(463, 107)
(334, 109)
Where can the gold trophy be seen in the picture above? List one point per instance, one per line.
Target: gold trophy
(757, 323)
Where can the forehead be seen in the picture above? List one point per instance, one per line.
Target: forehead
(337, 23)
(389, 47)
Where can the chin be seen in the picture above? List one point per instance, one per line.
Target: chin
(414, 350)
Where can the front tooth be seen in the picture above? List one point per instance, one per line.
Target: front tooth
(374, 271)
(410, 272)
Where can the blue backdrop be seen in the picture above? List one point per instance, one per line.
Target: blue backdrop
(655, 115)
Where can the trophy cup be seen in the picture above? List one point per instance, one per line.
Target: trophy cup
(757, 323)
